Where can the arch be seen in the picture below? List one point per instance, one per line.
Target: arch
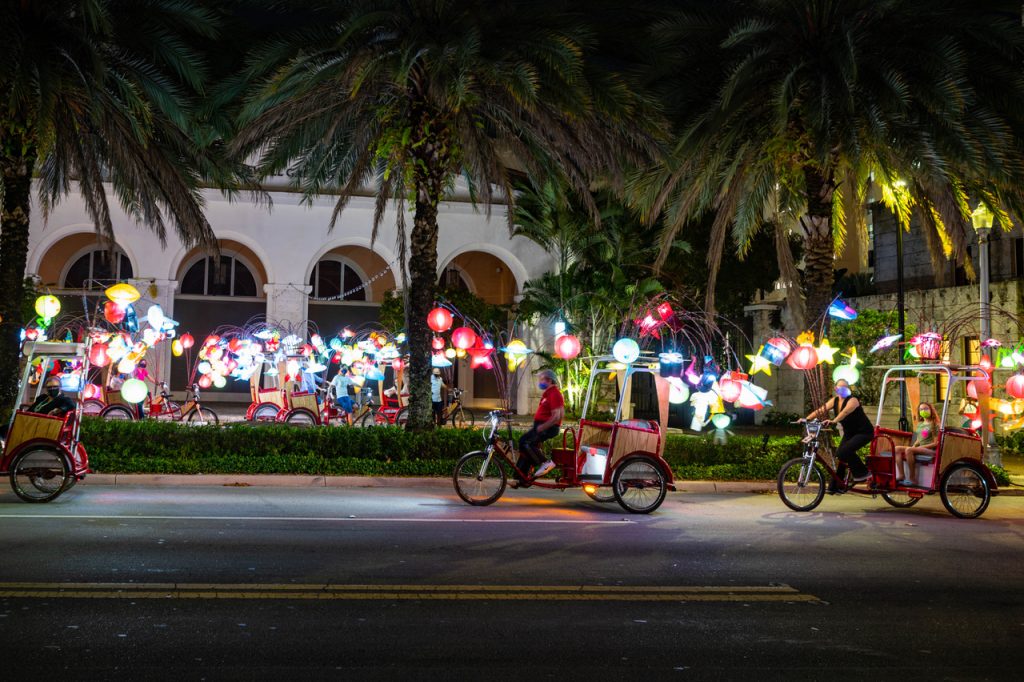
(489, 276)
(52, 256)
(467, 279)
(366, 261)
(92, 250)
(237, 257)
(515, 266)
(242, 252)
(235, 241)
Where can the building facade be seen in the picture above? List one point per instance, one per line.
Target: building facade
(279, 262)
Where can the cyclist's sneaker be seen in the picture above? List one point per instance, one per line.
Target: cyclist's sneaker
(861, 478)
(834, 489)
(544, 469)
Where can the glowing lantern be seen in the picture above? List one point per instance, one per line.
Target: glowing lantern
(463, 338)
(928, 345)
(177, 348)
(480, 356)
(439, 360)
(155, 316)
(626, 351)
(1015, 386)
(397, 364)
(187, 341)
(126, 365)
(848, 373)
(292, 368)
(134, 391)
(47, 307)
(98, 355)
(721, 420)
(374, 374)
(439, 320)
(977, 387)
(670, 365)
(437, 343)
(804, 358)
(450, 353)
(205, 381)
(218, 381)
(113, 313)
(753, 397)
(730, 386)
(567, 347)
(515, 354)
(776, 350)
(91, 392)
(123, 294)
(677, 391)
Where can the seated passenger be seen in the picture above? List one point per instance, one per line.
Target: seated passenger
(926, 436)
(52, 400)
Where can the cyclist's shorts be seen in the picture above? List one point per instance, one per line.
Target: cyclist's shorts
(346, 404)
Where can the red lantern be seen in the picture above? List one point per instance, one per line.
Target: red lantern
(91, 392)
(205, 381)
(234, 344)
(977, 387)
(439, 320)
(437, 343)
(211, 340)
(98, 355)
(187, 341)
(397, 364)
(113, 313)
(1015, 386)
(567, 346)
(730, 386)
(804, 358)
(463, 338)
(31, 333)
(480, 357)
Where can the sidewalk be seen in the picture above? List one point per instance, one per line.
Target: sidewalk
(445, 483)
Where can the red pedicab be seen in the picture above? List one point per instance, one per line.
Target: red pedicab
(41, 453)
(619, 460)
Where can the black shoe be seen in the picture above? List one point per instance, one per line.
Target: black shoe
(834, 489)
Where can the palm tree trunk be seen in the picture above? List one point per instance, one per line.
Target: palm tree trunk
(17, 159)
(819, 248)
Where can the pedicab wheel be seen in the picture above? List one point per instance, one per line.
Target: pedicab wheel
(92, 407)
(800, 489)
(118, 412)
(476, 483)
(964, 491)
(602, 495)
(900, 499)
(368, 420)
(463, 418)
(639, 485)
(300, 417)
(203, 416)
(402, 418)
(265, 413)
(40, 474)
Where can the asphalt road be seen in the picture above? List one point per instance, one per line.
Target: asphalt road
(253, 583)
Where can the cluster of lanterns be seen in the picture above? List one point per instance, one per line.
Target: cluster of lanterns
(466, 342)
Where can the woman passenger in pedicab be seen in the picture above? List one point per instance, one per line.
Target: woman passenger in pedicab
(926, 436)
(857, 432)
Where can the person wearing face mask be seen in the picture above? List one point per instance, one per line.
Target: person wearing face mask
(546, 423)
(926, 436)
(857, 432)
(52, 401)
(437, 385)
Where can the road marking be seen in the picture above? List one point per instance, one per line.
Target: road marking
(332, 592)
(335, 519)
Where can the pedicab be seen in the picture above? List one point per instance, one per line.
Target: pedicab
(619, 460)
(41, 453)
(957, 471)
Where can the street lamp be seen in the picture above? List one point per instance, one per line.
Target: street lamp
(982, 219)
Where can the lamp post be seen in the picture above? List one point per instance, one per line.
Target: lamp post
(982, 219)
(901, 321)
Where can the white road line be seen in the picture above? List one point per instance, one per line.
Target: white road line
(336, 519)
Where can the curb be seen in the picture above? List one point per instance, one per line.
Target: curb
(294, 481)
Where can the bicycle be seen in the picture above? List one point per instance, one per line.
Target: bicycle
(163, 407)
(461, 417)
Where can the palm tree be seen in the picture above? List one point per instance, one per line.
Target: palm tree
(405, 95)
(95, 92)
(788, 110)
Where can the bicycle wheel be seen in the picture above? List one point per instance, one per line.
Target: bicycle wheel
(965, 492)
(900, 499)
(368, 420)
(799, 488)
(203, 416)
(40, 474)
(602, 495)
(639, 485)
(118, 412)
(402, 418)
(477, 481)
(463, 418)
(92, 407)
(300, 417)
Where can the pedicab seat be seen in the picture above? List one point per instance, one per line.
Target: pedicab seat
(29, 426)
(305, 401)
(270, 395)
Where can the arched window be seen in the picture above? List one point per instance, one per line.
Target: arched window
(333, 277)
(97, 269)
(453, 279)
(230, 277)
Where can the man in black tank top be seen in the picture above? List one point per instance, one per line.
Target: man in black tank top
(857, 432)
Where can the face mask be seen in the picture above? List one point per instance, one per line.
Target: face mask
(543, 385)
(843, 391)
(925, 414)
(53, 391)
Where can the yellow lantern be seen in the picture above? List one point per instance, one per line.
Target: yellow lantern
(47, 306)
(176, 348)
(123, 294)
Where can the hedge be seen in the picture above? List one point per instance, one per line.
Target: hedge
(164, 447)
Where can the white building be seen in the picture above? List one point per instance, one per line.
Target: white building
(282, 263)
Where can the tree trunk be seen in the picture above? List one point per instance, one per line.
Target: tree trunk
(432, 160)
(819, 248)
(17, 159)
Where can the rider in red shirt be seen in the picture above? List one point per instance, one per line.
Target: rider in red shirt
(546, 423)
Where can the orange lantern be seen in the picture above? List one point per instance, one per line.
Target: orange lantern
(463, 338)
(439, 320)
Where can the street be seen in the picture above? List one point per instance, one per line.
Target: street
(245, 583)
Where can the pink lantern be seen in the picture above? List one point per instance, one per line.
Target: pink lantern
(91, 392)
(1015, 386)
(437, 343)
(567, 347)
(205, 381)
(463, 338)
(780, 343)
(977, 387)
(928, 345)
(439, 320)
(98, 355)
(187, 341)
(397, 364)
(803, 358)
(730, 386)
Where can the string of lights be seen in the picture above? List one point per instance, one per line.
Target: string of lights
(345, 294)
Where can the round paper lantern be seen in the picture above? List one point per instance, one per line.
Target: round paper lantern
(134, 391)
(47, 307)
(98, 355)
(155, 316)
(567, 347)
(450, 353)
(781, 344)
(123, 294)
(187, 341)
(205, 381)
(218, 381)
(847, 373)
(1015, 386)
(730, 389)
(437, 343)
(803, 358)
(439, 320)
(126, 365)
(397, 364)
(91, 392)
(463, 338)
(678, 392)
(721, 420)
(177, 348)
(626, 351)
(113, 313)
(977, 387)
